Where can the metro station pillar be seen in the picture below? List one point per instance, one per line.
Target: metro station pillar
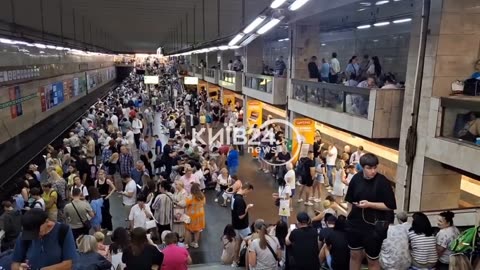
(254, 56)
(452, 49)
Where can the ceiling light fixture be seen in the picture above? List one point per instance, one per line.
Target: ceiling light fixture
(269, 26)
(248, 40)
(236, 39)
(40, 46)
(367, 4)
(6, 41)
(51, 47)
(381, 24)
(297, 4)
(277, 3)
(366, 26)
(233, 47)
(361, 9)
(283, 39)
(383, 2)
(254, 24)
(403, 20)
(223, 48)
(323, 44)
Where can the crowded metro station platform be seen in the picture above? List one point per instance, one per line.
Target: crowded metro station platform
(240, 134)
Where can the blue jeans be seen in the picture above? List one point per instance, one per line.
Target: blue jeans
(329, 174)
(233, 170)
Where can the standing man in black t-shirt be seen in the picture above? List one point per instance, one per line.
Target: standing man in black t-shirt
(307, 178)
(167, 156)
(371, 202)
(240, 218)
(304, 244)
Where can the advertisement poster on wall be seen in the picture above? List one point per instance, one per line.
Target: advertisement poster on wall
(254, 113)
(15, 95)
(306, 129)
(82, 85)
(57, 90)
(76, 87)
(229, 99)
(68, 89)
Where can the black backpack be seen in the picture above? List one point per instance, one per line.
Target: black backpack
(300, 169)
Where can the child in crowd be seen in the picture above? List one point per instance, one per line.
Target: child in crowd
(228, 241)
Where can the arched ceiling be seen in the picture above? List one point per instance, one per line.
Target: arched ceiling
(129, 25)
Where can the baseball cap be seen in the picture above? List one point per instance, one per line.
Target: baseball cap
(303, 217)
(31, 222)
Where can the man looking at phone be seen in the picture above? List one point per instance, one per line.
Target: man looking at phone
(240, 218)
(371, 202)
(304, 241)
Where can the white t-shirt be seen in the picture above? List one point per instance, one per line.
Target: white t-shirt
(137, 126)
(114, 120)
(82, 188)
(139, 216)
(290, 178)
(332, 156)
(444, 238)
(131, 186)
(130, 137)
(39, 204)
(224, 181)
(285, 192)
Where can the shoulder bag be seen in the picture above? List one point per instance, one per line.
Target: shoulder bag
(273, 253)
(85, 223)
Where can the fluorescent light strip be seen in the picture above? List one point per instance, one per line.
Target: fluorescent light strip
(268, 26)
(223, 48)
(248, 40)
(236, 39)
(277, 3)
(6, 41)
(254, 24)
(383, 2)
(297, 4)
(366, 26)
(283, 39)
(403, 20)
(381, 24)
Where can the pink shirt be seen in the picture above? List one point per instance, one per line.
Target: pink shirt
(187, 182)
(175, 258)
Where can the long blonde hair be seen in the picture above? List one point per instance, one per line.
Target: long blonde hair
(87, 243)
(459, 262)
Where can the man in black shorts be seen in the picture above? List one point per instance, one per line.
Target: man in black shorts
(371, 202)
(307, 178)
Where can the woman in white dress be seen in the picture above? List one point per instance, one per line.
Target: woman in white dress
(338, 175)
(179, 198)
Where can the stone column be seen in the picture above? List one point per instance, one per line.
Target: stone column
(254, 57)
(452, 49)
(306, 43)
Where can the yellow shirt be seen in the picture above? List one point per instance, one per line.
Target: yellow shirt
(59, 170)
(203, 119)
(47, 197)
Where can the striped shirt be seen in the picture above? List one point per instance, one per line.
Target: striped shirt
(423, 248)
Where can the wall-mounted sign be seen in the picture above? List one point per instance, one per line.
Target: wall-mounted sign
(150, 79)
(190, 80)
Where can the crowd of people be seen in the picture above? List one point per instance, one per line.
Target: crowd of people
(62, 218)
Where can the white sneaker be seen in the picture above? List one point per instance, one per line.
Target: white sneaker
(317, 200)
(300, 200)
(234, 264)
(216, 200)
(308, 203)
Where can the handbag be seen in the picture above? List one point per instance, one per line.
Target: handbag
(86, 223)
(151, 224)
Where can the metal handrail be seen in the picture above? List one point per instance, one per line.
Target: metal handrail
(333, 96)
(210, 72)
(258, 76)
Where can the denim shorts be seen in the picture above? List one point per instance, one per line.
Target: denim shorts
(243, 233)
